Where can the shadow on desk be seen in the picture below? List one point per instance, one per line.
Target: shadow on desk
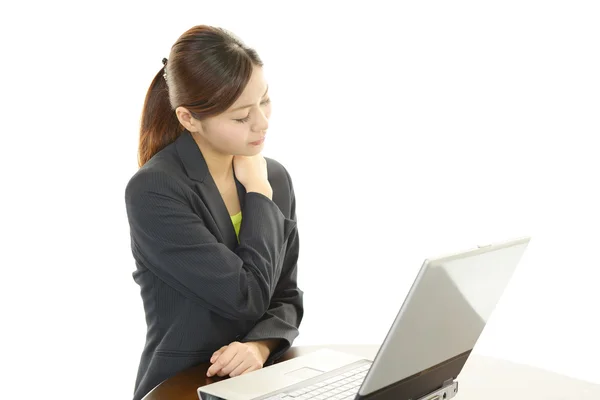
(482, 378)
(184, 385)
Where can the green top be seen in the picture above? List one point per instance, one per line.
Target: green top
(237, 221)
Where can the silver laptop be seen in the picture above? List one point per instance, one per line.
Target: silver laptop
(427, 346)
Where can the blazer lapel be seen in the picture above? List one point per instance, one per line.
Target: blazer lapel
(197, 169)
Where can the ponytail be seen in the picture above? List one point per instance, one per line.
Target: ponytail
(159, 125)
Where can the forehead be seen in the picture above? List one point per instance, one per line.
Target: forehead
(254, 90)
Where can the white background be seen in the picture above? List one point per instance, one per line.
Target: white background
(409, 131)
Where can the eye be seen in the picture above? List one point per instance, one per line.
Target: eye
(241, 121)
(247, 117)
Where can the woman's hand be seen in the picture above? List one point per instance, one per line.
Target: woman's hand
(238, 358)
(251, 171)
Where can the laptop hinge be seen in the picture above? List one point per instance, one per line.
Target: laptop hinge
(447, 391)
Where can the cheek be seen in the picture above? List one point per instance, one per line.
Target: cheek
(233, 134)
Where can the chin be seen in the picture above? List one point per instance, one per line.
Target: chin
(253, 150)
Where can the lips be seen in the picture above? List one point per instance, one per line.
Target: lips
(259, 141)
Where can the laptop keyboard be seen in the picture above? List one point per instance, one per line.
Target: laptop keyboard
(341, 387)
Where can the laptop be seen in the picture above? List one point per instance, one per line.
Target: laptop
(430, 340)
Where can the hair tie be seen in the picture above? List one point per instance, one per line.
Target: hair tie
(164, 61)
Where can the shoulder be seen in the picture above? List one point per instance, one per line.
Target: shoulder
(278, 174)
(162, 174)
(283, 189)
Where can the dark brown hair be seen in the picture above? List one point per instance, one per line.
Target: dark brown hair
(206, 72)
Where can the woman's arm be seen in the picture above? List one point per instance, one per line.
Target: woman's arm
(171, 240)
(278, 327)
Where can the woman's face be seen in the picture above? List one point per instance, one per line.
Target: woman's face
(241, 129)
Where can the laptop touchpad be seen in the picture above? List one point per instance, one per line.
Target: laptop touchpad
(304, 373)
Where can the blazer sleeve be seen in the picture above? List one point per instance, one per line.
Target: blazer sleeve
(282, 319)
(172, 241)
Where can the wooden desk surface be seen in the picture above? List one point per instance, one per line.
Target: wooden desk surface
(482, 378)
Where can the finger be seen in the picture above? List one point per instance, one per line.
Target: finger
(240, 369)
(221, 361)
(236, 361)
(251, 363)
(252, 367)
(216, 354)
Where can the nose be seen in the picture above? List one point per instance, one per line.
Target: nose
(262, 122)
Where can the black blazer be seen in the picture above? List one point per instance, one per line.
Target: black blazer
(201, 289)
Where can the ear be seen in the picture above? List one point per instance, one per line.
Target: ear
(187, 120)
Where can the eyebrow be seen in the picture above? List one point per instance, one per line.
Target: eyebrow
(250, 105)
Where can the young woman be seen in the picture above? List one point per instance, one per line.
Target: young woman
(213, 224)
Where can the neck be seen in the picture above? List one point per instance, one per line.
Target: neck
(219, 165)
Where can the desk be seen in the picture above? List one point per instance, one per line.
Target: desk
(482, 378)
